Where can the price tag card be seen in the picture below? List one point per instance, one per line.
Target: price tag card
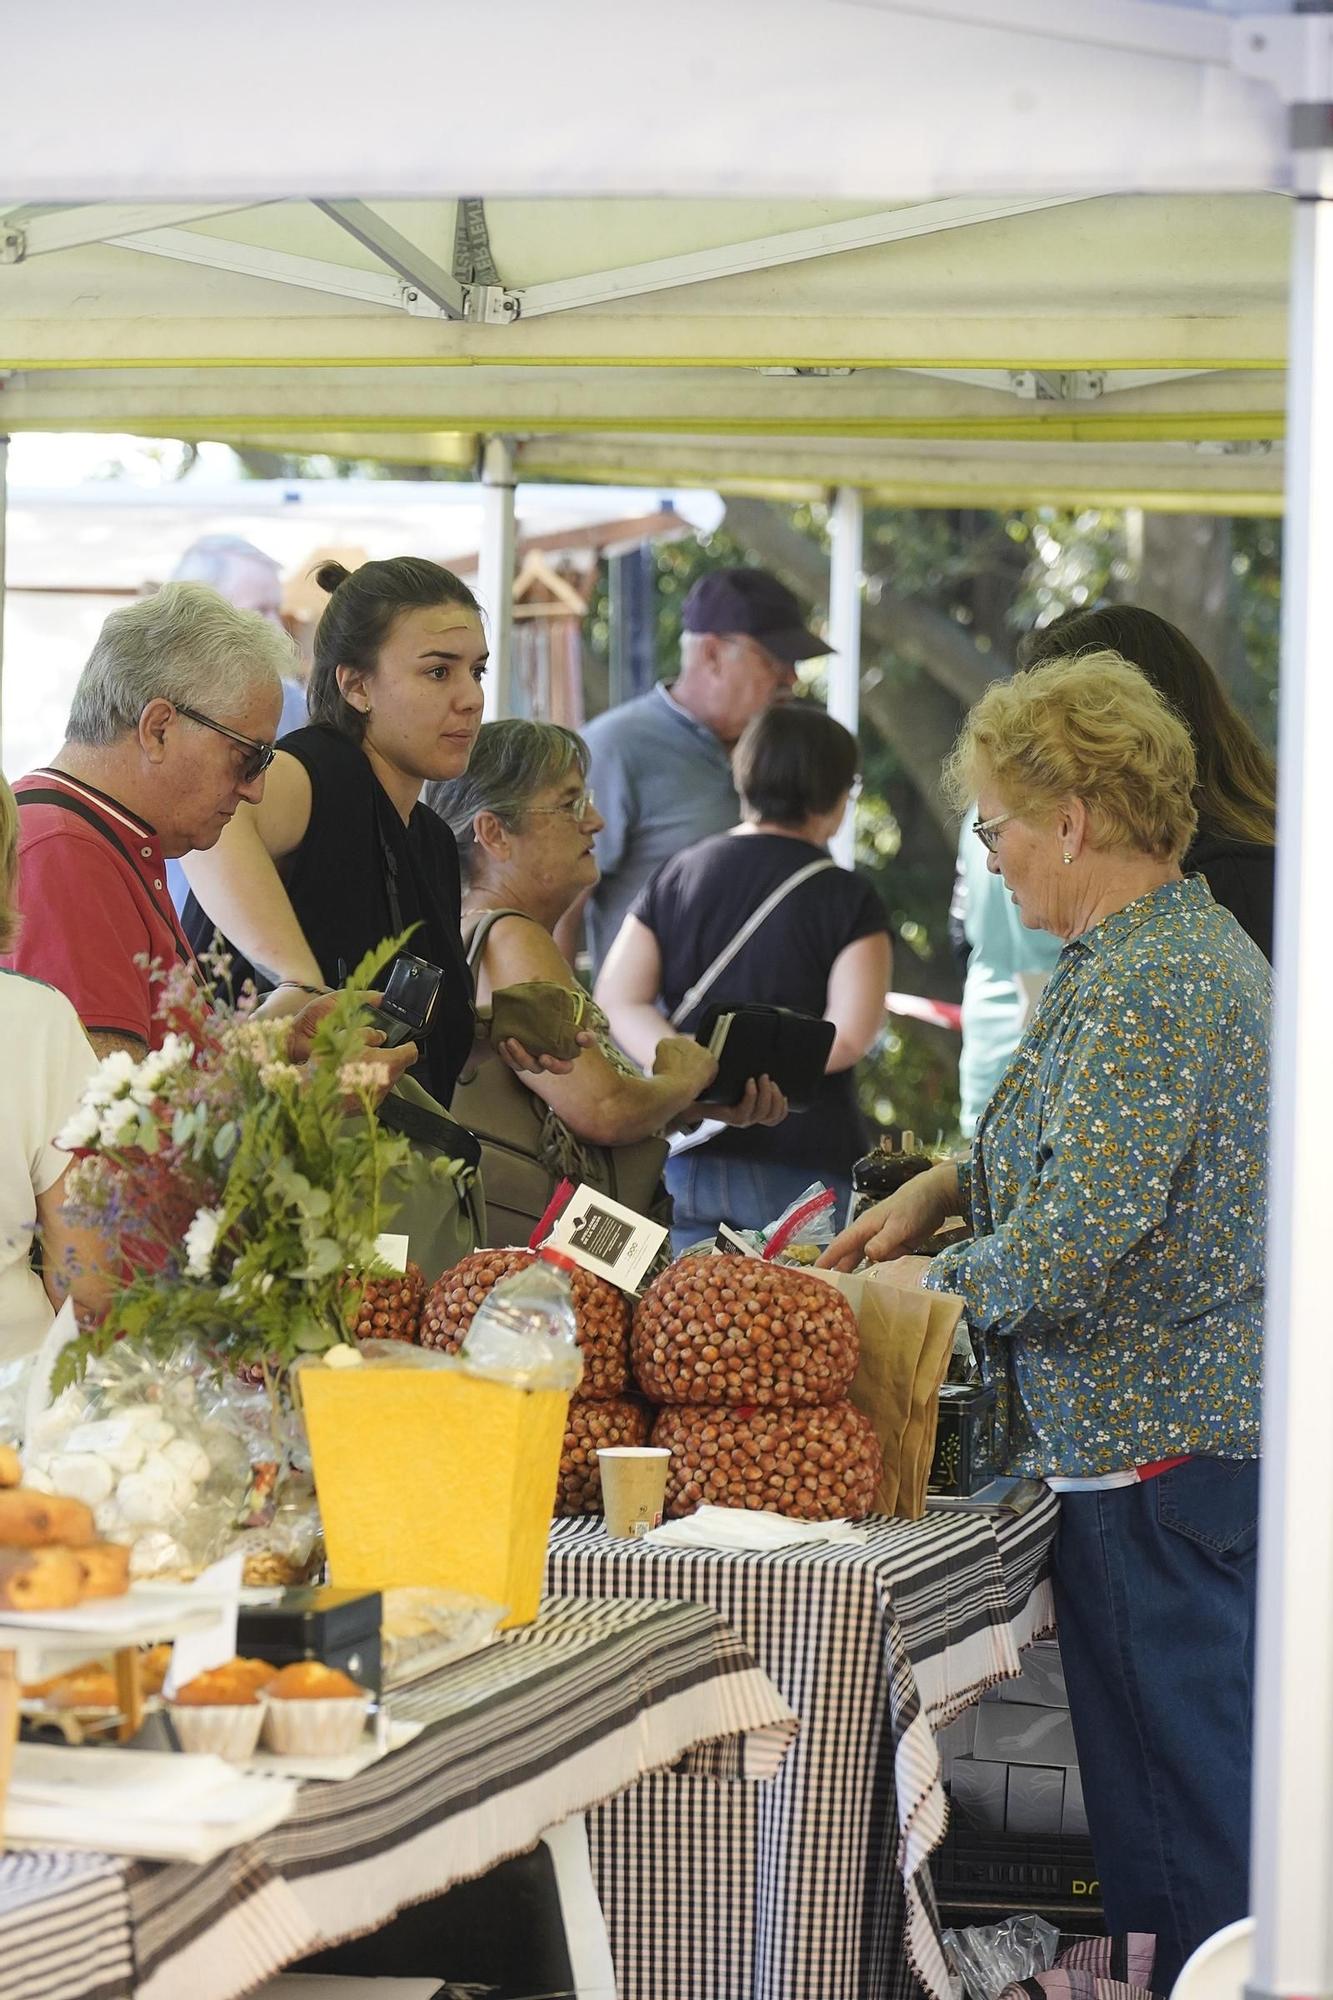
(608, 1240)
(209, 1645)
(393, 1249)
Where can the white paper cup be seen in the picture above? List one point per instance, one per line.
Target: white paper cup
(219, 1729)
(633, 1488)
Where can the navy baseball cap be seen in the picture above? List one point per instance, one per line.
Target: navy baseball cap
(753, 603)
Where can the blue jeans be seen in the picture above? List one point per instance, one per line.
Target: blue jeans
(708, 1188)
(1155, 1608)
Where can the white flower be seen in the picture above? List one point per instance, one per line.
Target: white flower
(112, 1077)
(361, 1076)
(201, 1241)
(80, 1129)
(119, 1122)
(175, 1052)
(271, 1074)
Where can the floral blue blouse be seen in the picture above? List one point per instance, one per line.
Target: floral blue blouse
(1117, 1195)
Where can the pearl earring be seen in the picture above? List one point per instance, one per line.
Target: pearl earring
(1068, 859)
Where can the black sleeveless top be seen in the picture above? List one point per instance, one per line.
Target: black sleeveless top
(360, 876)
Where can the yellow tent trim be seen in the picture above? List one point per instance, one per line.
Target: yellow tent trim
(930, 360)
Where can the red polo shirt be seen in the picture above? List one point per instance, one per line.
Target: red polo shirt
(92, 893)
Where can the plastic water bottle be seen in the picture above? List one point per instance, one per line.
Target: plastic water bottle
(524, 1330)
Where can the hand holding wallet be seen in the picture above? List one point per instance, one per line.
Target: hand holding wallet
(749, 1039)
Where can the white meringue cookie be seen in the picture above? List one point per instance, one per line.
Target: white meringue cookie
(148, 1499)
(82, 1475)
(189, 1458)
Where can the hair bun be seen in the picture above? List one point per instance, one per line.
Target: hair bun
(330, 574)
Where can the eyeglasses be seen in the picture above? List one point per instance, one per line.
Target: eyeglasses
(260, 756)
(577, 808)
(987, 829)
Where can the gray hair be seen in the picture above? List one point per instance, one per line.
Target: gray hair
(185, 644)
(510, 763)
(213, 560)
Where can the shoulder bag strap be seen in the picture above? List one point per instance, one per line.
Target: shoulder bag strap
(743, 936)
(482, 926)
(50, 796)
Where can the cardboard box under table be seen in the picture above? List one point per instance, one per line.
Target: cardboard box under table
(434, 1476)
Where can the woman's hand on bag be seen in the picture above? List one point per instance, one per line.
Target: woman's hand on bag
(894, 1226)
(522, 1061)
(679, 1059)
(762, 1103)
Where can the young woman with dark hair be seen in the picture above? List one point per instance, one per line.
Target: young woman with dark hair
(1236, 794)
(340, 854)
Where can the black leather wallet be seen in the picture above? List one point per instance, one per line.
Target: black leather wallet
(750, 1039)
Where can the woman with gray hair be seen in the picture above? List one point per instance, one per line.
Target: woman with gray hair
(525, 823)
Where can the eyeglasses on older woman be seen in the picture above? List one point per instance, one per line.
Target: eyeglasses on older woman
(578, 807)
(987, 830)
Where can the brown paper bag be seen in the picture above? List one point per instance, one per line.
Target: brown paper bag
(906, 1341)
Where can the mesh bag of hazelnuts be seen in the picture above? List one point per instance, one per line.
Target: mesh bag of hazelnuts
(813, 1464)
(738, 1330)
(618, 1421)
(601, 1315)
(390, 1308)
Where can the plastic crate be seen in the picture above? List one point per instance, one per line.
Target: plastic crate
(1021, 1873)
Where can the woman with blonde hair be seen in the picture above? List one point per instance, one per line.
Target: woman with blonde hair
(51, 1060)
(1236, 789)
(1116, 1192)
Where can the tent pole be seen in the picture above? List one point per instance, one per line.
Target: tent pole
(495, 571)
(1292, 1871)
(844, 667)
(4, 512)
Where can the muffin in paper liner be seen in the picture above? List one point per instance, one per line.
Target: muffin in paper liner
(297, 1728)
(220, 1729)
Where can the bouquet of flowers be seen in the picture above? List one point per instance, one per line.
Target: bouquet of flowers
(236, 1194)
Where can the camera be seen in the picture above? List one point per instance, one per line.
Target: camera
(410, 1002)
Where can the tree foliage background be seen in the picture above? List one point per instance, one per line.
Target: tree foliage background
(947, 594)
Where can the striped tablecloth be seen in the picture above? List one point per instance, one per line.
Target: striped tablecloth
(548, 1722)
(816, 1887)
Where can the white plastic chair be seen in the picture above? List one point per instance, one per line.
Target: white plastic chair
(1220, 1967)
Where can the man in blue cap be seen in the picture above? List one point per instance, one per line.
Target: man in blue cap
(661, 764)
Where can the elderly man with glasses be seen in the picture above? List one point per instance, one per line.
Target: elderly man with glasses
(171, 727)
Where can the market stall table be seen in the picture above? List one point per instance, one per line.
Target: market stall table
(549, 1721)
(818, 1887)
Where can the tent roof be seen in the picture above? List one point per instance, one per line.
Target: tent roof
(898, 229)
(1150, 320)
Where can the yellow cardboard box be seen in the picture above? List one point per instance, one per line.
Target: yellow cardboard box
(433, 1476)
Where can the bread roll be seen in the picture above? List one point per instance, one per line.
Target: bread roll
(104, 1568)
(31, 1520)
(38, 1580)
(11, 1466)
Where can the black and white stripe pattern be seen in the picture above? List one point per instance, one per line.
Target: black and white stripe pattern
(81, 1948)
(816, 1887)
(548, 1721)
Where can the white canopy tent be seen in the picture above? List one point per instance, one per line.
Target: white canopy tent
(1049, 239)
